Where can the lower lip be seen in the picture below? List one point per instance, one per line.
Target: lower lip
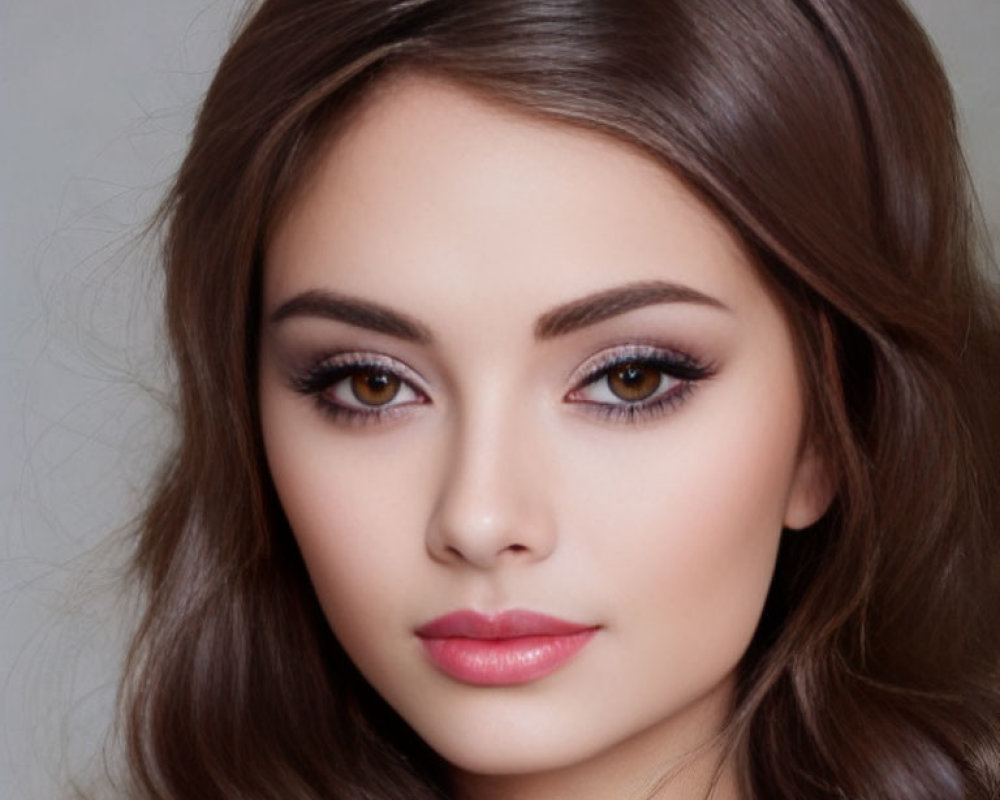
(504, 662)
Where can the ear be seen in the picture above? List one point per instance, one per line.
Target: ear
(812, 491)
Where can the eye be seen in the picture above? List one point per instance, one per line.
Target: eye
(370, 387)
(636, 382)
(629, 382)
(360, 387)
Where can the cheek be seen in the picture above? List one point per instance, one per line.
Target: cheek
(347, 500)
(684, 520)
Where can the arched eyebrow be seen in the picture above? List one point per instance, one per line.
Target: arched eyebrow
(559, 321)
(609, 303)
(354, 311)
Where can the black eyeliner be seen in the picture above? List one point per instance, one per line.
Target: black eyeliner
(316, 379)
(678, 365)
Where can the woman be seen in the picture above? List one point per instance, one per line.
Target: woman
(583, 400)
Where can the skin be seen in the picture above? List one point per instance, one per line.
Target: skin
(496, 482)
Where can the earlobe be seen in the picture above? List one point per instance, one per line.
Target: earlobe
(812, 491)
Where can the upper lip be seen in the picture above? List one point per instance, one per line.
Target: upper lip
(504, 625)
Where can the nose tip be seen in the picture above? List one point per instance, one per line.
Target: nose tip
(484, 540)
(491, 508)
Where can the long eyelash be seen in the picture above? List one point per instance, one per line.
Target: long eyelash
(681, 366)
(319, 377)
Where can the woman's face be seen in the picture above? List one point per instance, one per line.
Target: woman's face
(511, 366)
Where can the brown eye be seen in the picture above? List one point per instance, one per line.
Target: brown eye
(373, 387)
(634, 381)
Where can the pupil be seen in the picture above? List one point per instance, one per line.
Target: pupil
(633, 375)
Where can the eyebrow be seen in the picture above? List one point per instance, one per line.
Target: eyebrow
(561, 320)
(609, 303)
(353, 311)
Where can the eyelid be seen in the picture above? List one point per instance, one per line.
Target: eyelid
(598, 364)
(360, 359)
(321, 375)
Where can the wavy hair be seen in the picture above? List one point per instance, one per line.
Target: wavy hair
(823, 132)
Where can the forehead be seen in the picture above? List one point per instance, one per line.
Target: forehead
(432, 186)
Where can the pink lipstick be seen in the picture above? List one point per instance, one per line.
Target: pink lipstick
(504, 649)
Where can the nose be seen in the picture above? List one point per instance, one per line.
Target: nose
(492, 507)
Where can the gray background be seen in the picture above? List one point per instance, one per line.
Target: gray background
(96, 101)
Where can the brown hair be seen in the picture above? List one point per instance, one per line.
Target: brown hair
(823, 131)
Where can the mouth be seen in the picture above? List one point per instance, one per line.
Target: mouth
(506, 649)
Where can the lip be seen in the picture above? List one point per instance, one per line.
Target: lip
(505, 649)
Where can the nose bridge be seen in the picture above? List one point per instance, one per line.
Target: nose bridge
(491, 506)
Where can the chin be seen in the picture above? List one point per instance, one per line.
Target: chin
(509, 733)
(504, 742)
(504, 755)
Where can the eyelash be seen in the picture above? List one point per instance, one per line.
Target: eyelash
(329, 372)
(681, 367)
(672, 364)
